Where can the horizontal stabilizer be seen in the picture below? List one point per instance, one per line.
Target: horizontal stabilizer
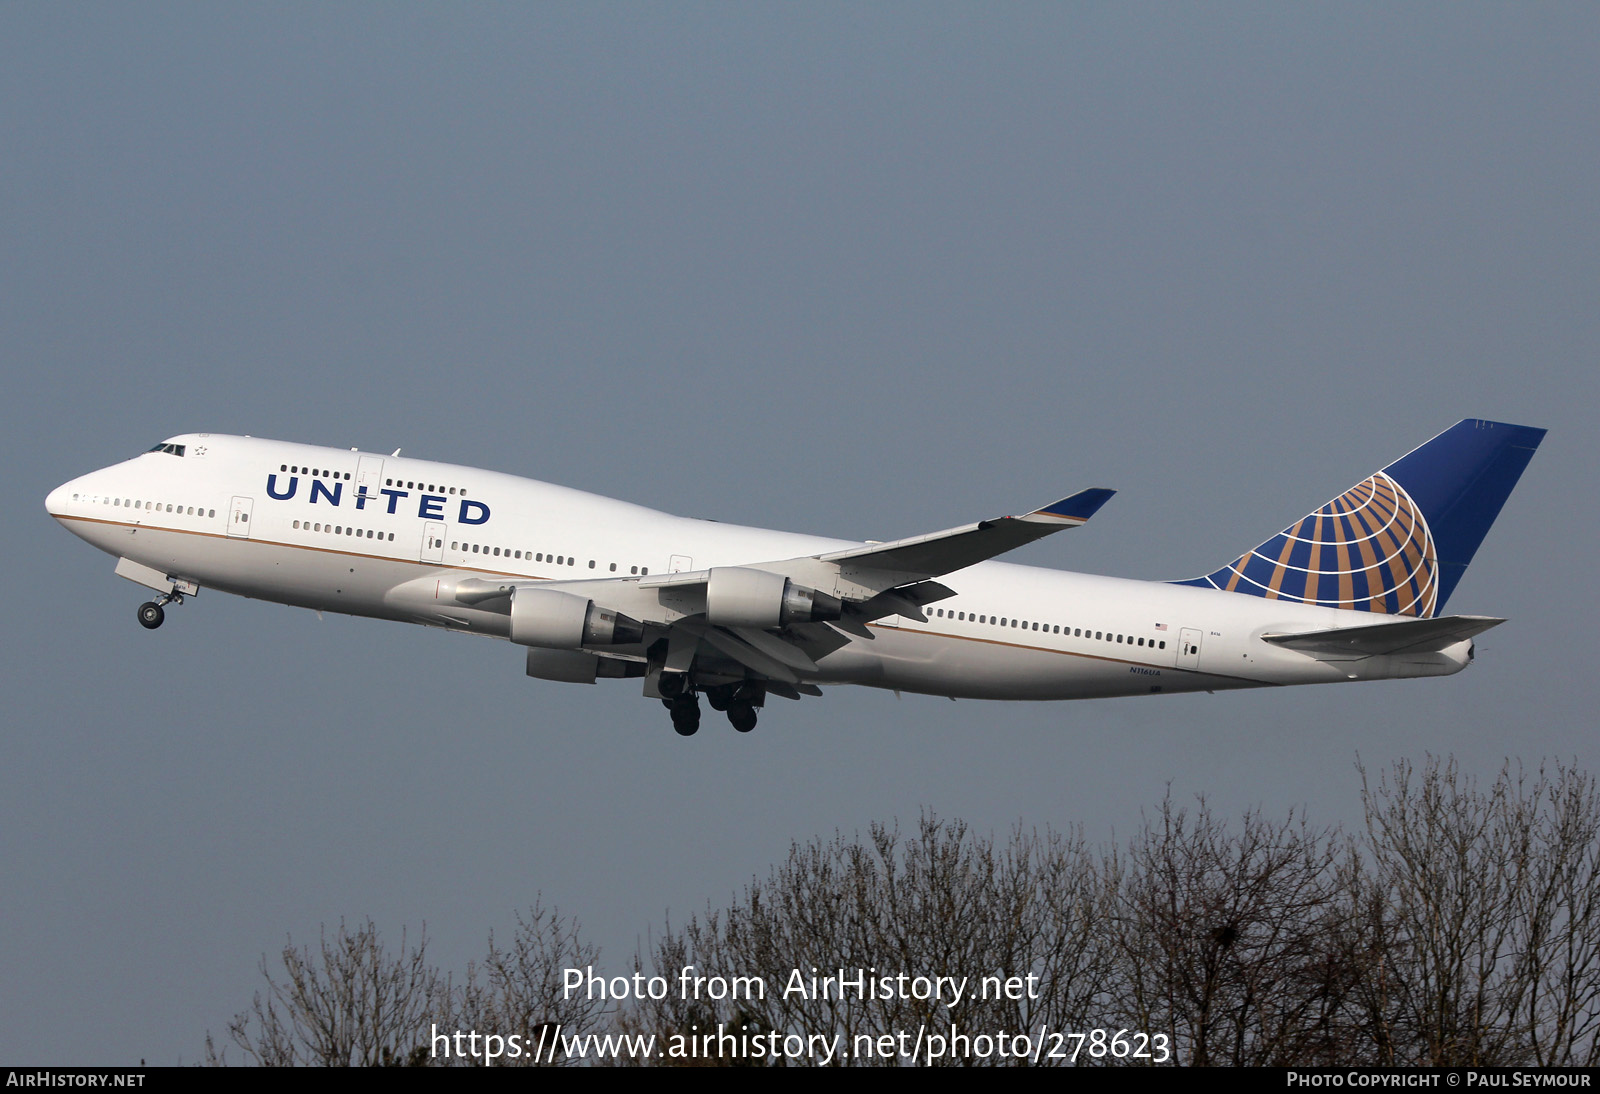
(1411, 636)
(939, 553)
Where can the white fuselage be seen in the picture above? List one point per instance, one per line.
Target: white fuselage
(374, 535)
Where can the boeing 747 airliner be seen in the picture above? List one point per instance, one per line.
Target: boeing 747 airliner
(594, 588)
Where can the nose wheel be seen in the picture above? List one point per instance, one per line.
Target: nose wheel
(152, 613)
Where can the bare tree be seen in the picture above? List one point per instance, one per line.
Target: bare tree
(941, 903)
(518, 990)
(1463, 927)
(1223, 938)
(1483, 922)
(346, 1003)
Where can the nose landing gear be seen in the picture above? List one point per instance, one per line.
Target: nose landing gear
(151, 615)
(152, 612)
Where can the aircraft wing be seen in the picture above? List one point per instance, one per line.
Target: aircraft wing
(1409, 636)
(939, 553)
(815, 603)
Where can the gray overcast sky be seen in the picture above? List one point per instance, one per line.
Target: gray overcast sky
(859, 270)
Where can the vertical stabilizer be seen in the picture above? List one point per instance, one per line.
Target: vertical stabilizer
(1398, 541)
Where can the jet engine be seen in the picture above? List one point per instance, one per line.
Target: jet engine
(741, 597)
(562, 621)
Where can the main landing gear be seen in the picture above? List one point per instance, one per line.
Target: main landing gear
(152, 612)
(738, 701)
(685, 709)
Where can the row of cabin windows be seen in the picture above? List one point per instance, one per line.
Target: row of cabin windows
(1049, 628)
(535, 556)
(314, 472)
(429, 487)
(324, 473)
(152, 506)
(342, 530)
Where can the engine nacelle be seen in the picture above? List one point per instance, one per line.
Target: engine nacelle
(561, 621)
(740, 597)
(578, 667)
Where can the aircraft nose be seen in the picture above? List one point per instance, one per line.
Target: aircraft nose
(57, 501)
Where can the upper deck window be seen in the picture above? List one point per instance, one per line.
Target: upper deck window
(169, 449)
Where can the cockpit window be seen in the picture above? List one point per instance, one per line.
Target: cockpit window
(170, 449)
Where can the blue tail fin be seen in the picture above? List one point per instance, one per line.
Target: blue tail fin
(1398, 541)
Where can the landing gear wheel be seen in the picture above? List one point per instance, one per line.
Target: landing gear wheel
(151, 615)
(743, 717)
(685, 714)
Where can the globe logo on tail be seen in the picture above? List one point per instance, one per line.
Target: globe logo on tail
(1369, 549)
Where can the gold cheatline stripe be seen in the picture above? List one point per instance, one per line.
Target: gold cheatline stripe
(305, 547)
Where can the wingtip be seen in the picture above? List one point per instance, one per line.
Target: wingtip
(1080, 506)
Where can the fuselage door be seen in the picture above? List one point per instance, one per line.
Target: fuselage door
(433, 542)
(680, 564)
(369, 476)
(239, 518)
(1189, 649)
